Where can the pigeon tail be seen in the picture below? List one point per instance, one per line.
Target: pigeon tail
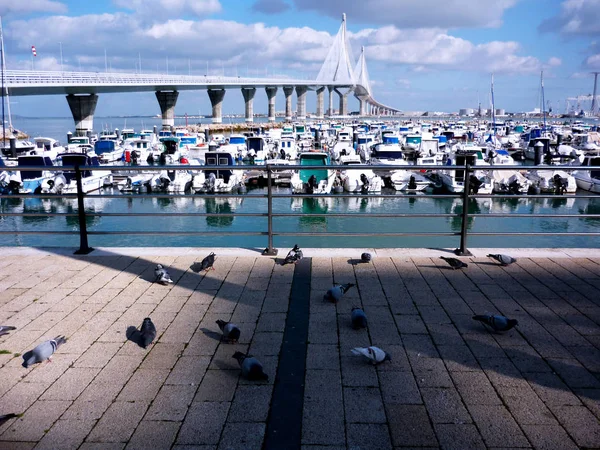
(221, 324)
(347, 286)
(239, 356)
(29, 359)
(6, 417)
(359, 322)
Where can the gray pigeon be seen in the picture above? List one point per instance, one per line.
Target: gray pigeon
(162, 276)
(207, 263)
(335, 293)
(496, 322)
(374, 354)
(454, 262)
(43, 352)
(4, 329)
(359, 318)
(231, 332)
(365, 257)
(6, 417)
(147, 332)
(293, 256)
(252, 369)
(504, 260)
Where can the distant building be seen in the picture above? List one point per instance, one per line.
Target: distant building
(466, 112)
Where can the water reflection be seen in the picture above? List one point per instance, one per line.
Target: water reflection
(221, 205)
(314, 205)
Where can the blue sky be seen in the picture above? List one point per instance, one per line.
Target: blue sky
(434, 55)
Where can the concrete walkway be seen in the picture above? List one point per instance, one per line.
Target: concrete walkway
(451, 383)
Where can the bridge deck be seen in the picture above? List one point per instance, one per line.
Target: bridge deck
(451, 383)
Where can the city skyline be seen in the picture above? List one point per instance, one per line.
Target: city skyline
(427, 55)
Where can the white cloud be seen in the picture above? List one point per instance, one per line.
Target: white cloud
(577, 17)
(593, 62)
(414, 14)
(554, 62)
(403, 83)
(170, 8)
(30, 6)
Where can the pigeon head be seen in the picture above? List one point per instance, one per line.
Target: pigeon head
(239, 356)
(387, 357)
(296, 248)
(365, 257)
(512, 322)
(159, 266)
(355, 308)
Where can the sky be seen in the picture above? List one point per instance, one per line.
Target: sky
(422, 55)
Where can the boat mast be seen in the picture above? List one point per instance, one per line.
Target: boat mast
(493, 108)
(543, 100)
(2, 65)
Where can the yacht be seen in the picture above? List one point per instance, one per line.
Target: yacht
(91, 180)
(313, 181)
(589, 180)
(42, 181)
(213, 181)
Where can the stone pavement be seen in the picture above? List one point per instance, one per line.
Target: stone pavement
(451, 383)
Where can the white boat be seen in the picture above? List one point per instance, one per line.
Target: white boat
(589, 180)
(10, 181)
(454, 180)
(363, 180)
(108, 150)
(257, 150)
(343, 144)
(91, 180)
(48, 147)
(552, 180)
(363, 146)
(212, 181)
(313, 181)
(287, 148)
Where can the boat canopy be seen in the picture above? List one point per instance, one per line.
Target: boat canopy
(390, 139)
(32, 161)
(236, 140)
(104, 147)
(256, 144)
(313, 159)
(219, 159)
(171, 144)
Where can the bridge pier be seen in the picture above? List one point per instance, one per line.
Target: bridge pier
(288, 91)
(301, 102)
(330, 109)
(343, 103)
(216, 100)
(83, 108)
(363, 106)
(248, 94)
(271, 93)
(167, 101)
(320, 102)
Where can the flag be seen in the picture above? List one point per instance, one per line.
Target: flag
(33, 50)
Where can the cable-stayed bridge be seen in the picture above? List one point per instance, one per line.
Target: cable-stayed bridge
(338, 74)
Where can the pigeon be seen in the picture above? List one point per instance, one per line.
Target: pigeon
(207, 263)
(147, 332)
(359, 319)
(375, 354)
(504, 260)
(43, 352)
(6, 417)
(162, 276)
(335, 293)
(252, 369)
(365, 257)
(496, 322)
(293, 256)
(4, 329)
(231, 332)
(454, 262)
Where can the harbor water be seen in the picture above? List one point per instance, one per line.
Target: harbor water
(255, 202)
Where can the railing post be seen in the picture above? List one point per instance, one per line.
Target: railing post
(84, 248)
(462, 251)
(269, 251)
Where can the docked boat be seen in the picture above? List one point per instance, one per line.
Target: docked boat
(91, 179)
(313, 181)
(360, 181)
(454, 179)
(40, 181)
(212, 181)
(287, 148)
(47, 147)
(108, 151)
(589, 180)
(552, 181)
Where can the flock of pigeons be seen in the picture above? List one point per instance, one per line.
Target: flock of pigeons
(250, 367)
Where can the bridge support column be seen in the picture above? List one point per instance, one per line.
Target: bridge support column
(271, 93)
(83, 108)
(167, 101)
(363, 106)
(301, 103)
(248, 94)
(288, 91)
(216, 100)
(343, 103)
(330, 109)
(320, 102)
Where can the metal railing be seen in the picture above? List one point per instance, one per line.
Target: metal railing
(270, 232)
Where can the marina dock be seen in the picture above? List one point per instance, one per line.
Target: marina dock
(451, 382)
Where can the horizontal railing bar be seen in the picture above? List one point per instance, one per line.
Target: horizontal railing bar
(537, 216)
(517, 233)
(179, 233)
(290, 167)
(359, 214)
(76, 233)
(372, 234)
(38, 214)
(101, 214)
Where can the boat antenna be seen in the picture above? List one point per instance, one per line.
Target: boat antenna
(2, 64)
(493, 108)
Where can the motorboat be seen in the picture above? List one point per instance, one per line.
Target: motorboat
(360, 181)
(313, 181)
(212, 181)
(47, 147)
(454, 179)
(91, 179)
(552, 180)
(40, 181)
(589, 180)
(108, 151)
